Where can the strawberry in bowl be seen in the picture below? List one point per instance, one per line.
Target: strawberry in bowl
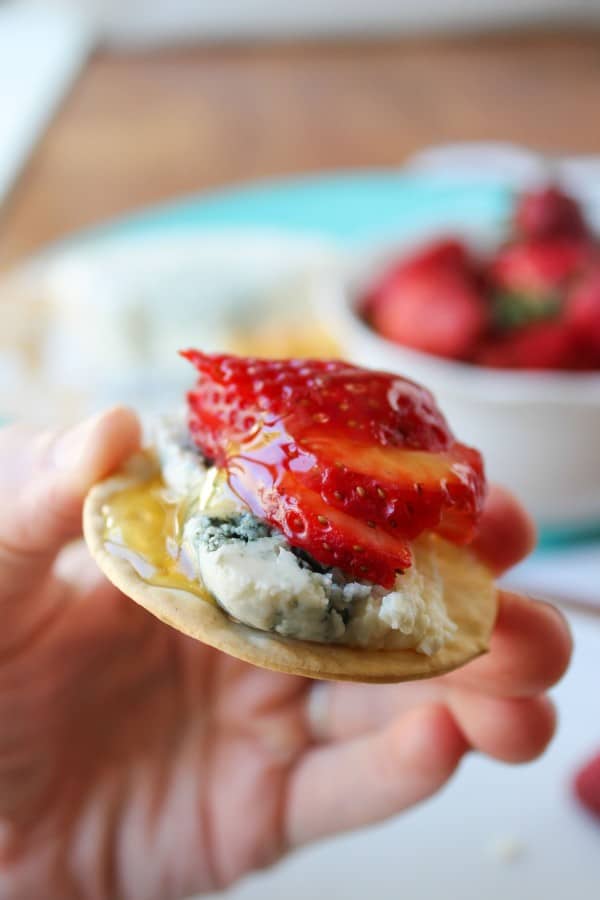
(443, 280)
(306, 515)
(446, 300)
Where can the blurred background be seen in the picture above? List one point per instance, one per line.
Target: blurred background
(163, 98)
(242, 175)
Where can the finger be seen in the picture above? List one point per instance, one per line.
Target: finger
(511, 730)
(338, 787)
(530, 651)
(506, 532)
(341, 710)
(43, 480)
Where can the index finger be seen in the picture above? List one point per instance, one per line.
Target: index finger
(44, 477)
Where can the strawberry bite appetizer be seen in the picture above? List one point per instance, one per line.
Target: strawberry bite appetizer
(305, 515)
(533, 304)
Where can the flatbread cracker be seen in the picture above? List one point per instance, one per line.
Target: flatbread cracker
(469, 594)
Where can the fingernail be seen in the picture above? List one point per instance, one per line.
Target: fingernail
(554, 612)
(70, 449)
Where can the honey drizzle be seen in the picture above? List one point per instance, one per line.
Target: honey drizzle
(144, 524)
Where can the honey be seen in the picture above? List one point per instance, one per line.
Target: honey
(144, 525)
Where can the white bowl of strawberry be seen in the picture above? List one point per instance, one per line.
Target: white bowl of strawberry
(506, 332)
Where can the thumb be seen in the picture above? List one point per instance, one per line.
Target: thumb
(44, 477)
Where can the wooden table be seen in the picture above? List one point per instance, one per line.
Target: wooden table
(139, 128)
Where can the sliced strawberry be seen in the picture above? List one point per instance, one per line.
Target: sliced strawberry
(587, 786)
(539, 268)
(543, 345)
(413, 490)
(366, 455)
(332, 537)
(582, 313)
(549, 212)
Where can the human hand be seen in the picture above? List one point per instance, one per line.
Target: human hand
(137, 763)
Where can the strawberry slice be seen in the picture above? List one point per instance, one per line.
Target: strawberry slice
(332, 537)
(357, 459)
(413, 490)
(547, 213)
(234, 396)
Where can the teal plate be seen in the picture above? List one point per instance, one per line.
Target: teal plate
(361, 207)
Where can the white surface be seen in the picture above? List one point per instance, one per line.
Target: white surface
(154, 21)
(496, 832)
(41, 51)
(571, 573)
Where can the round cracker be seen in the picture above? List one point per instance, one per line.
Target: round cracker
(469, 595)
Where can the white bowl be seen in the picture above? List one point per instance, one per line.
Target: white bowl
(539, 432)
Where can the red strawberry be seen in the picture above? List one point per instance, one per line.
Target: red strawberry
(587, 786)
(549, 213)
(539, 268)
(430, 301)
(446, 254)
(331, 536)
(412, 492)
(363, 457)
(543, 345)
(582, 313)
(235, 394)
(437, 312)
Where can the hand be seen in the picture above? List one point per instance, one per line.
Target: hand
(137, 763)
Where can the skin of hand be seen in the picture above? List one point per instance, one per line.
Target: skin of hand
(136, 763)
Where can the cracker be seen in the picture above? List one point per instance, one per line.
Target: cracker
(469, 595)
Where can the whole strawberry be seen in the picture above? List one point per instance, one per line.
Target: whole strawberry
(540, 268)
(548, 212)
(540, 345)
(582, 313)
(528, 280)
(587, 786)
(432, 302)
